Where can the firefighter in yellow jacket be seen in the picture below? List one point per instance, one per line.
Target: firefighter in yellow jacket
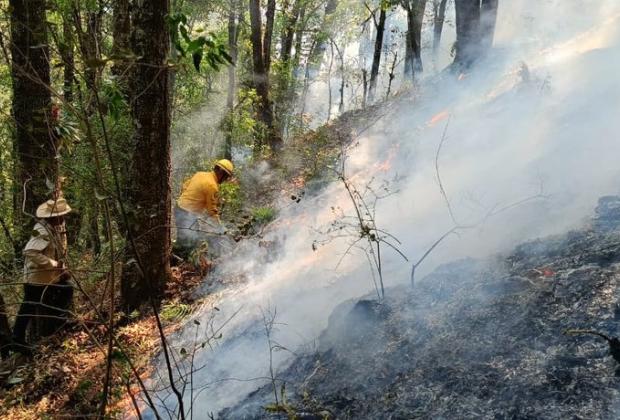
(47, 290)
(200, 200)
(200, 193)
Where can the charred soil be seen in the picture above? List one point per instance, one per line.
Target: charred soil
(475, 339)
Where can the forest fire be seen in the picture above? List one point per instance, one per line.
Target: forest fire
(477, 336)
(441, 116)
(255, 188)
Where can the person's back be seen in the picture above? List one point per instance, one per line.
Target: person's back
(200, 194)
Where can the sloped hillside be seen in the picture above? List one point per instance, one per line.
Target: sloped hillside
(475, 339)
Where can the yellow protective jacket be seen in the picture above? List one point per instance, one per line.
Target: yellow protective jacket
(42, 255)
(200, 194)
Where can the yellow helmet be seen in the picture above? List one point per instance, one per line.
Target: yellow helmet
(226, 166)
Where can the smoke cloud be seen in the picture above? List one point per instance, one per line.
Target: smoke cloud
(539, 114)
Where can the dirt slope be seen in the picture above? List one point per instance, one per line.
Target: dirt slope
(475, 339)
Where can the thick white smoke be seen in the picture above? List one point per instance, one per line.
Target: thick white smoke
(541, 111)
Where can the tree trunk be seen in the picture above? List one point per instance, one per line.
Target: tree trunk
(5, 331)
(288, 32)
(270, 17)
(35, 144)
(261, 82)
(121, 48)
(488, 19)
(233, 33)
(439, 17)
(299, 34)
(148, 267)
(376, 58)
(413, 49)
(391, 76)
(90, 45)
(318, 52)
(467, 32)
(68, 60)
(475, 27)
(364, 87)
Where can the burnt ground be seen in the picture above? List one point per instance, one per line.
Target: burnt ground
(476, 339)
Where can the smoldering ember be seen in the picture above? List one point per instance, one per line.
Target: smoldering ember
(310, 209)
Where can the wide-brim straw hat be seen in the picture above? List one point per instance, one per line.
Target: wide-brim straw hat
(53, 208)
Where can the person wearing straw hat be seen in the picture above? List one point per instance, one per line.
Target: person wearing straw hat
(47, 290)
(200, 197)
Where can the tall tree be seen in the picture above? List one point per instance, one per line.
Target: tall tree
(299, 34)
(36, 167)
(267, 41)
(148, 266)
(260, 75)
(488, 19)
(68, 59)
(121, 31)
(376, 58)
(233, 35)
(413, 54)
(5, 330)
(475, 27)
(90, 40)
(439, 17)
(288, 29)
(321, 42)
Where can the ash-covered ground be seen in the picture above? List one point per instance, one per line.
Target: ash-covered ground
(475, 339)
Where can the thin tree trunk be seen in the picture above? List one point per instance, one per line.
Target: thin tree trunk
(299, 34)
(365, 87)
(90, 43)
(270, 17)
(35, 145)
(261, 82)
(121, 31)
(233, 31)
(376, 58)
(342, 77)
(329, 83)
(286, 82)
(90, 46)
(392, 75)
(68, 60)
(439, 17)
(318, 52)
(5, 331)
(488, 19)
(288, 31)
(149, 196)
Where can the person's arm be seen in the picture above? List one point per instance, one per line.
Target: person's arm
(213, 203)
(40, 259)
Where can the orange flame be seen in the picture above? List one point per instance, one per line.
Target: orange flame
(386, 165)
(438, 117)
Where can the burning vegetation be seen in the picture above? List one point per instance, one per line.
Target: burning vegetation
(474, 339)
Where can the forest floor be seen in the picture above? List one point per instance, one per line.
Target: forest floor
(486, 339)
(65, 377)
